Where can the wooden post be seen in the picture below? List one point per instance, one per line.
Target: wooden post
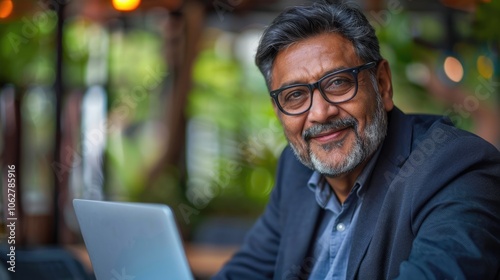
(59, 94)
(183, 31)
(11, 162)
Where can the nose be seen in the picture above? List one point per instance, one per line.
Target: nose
(321, 110)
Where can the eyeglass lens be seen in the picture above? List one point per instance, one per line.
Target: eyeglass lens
(335, 88)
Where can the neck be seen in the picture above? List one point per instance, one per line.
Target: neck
(342, 185)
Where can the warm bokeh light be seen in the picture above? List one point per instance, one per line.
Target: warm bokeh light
(126, 5)
(6, 7)
(485, 66)
(453, 69)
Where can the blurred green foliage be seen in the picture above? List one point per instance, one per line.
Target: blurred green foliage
(250, 138)
(229, 100)
(487, 21)
(398, 47)
(26, 50)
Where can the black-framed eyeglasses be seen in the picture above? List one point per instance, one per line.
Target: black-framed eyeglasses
(336, 87)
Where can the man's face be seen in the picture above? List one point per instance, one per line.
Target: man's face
(333, 139)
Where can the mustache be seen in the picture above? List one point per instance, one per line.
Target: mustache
(336, 124)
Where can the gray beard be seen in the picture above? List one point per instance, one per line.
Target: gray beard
(363, 147)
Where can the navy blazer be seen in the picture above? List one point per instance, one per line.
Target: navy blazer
(431, 211)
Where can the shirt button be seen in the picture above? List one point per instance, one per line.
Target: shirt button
(340, 227)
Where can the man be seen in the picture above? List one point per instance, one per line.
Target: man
(364, 191)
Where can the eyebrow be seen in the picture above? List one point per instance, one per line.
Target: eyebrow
(296, 82)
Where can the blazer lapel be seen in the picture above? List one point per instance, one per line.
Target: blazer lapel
(395, 151)
(302, 215)
(303, 223)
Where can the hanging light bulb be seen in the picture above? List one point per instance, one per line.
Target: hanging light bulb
(6, 7)
(485, 66)
(126, 5)
(453, 69)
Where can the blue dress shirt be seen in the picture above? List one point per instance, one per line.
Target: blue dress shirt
(334, 239)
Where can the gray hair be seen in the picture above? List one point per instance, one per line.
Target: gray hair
(302, 22)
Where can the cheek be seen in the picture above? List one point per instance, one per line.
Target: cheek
(292, 127)
(363, 112)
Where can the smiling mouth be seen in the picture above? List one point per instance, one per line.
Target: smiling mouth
(331, 136)
(333, 131)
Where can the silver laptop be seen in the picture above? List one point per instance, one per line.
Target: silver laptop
(131, 240)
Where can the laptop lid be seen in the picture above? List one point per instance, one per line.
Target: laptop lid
(131, 240)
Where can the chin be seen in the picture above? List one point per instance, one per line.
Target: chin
(339, 163)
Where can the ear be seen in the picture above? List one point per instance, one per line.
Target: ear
(384, 81)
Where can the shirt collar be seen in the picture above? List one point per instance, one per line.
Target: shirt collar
(317, 182)
(367, 172)
(321, 190)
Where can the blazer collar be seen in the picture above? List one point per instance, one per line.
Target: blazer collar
(395, 150)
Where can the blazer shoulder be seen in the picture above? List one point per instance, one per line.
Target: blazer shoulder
(444, 133)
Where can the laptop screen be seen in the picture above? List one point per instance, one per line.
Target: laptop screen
(131, 240)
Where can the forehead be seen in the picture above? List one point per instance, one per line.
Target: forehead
(308, 60)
